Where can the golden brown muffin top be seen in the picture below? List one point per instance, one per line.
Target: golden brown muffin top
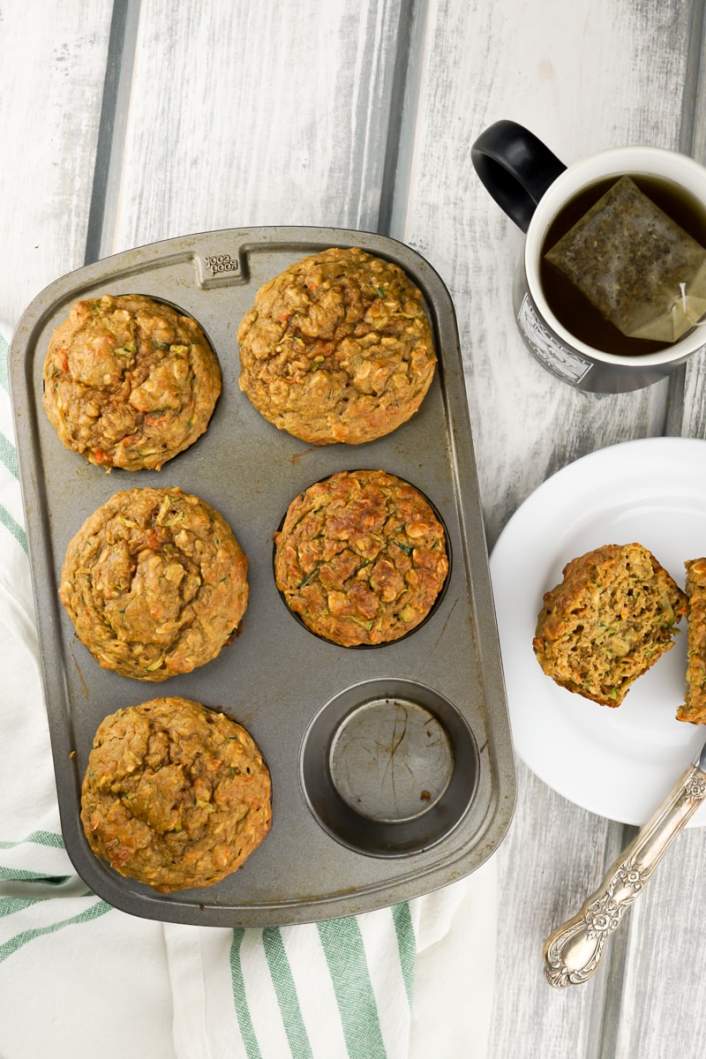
(361, 557)
(175, 795)
(129, 382)
(155, 583)
(337, 348)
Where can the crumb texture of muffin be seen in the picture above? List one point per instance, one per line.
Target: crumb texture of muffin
(337, 348)
(611, 618)
(361, 558)
(175, 795)
(694, 709)
(129, 382)
(155, 583)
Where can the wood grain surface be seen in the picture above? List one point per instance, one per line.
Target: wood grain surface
(480, 62)
(661, 1014)
(362, 113)
(281, 119)
(51, 83)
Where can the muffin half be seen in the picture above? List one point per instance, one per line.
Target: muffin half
(612, 617)
(694, 709)
(337, 348)
(129, 382)
(155, 583)
(174, 795)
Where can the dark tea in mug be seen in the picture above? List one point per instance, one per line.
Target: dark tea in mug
(570, 305)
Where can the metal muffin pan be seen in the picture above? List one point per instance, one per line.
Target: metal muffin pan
(347, 837)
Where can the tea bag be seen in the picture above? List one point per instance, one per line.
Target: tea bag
(636, 265)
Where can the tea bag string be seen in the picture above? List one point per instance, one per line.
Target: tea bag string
(689, 312)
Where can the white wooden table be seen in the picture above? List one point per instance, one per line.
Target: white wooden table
(128, 122)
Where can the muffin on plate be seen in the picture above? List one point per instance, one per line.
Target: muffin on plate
(337, 348)
(611, 618)
(129, 382)
(694, 709)
(361, 558)
(175, 795)
(155, 583)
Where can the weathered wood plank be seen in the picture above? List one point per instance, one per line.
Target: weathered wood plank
(659, 1012)
(694, 414)
(690, 419)
(52, 67)
(584, 78)
(554, 853)
(587, 80)
(271, 116)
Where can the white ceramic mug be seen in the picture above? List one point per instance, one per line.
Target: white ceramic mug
(531, 185)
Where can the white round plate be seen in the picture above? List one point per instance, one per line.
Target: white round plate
(619, 763)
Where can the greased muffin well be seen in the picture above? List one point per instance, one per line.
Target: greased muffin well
(129, 382)
(175, 795)
(155, 583)
(361, 557)
(337, 348)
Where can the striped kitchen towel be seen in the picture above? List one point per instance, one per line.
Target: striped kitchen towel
(77, 976)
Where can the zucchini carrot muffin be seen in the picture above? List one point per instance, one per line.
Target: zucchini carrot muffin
(337, 348)
(614, 614)
(694, 709)
(129, 382)
(174, 795)
(361, 558)
(155, 583)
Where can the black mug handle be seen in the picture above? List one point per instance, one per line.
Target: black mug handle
(515, 167)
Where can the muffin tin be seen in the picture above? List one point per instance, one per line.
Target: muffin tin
(392, 769)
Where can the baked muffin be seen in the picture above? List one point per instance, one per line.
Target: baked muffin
(614, 614)
(174, 795)
(361, 558)
(155, 583)
(337, 348)
(129, 382)
(694, 709)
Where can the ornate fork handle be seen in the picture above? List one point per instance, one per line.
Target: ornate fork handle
(573, 952)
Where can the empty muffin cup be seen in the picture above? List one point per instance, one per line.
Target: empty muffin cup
(389, 767)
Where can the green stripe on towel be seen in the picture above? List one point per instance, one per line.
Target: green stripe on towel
(15, 529)
(404, 928)
(286, 991)
(4, 374)
(242, 1011)
(14, 944)
(8, 456)
(10, 905)
(40, 838)
(343, 947)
